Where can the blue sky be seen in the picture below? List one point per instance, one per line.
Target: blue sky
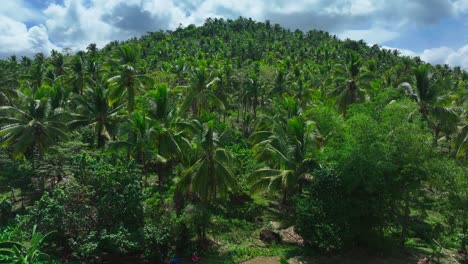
(435, 30)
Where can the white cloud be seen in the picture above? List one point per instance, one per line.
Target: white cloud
(445, 55)
(436, 55)
(17, 39)
(440, 55)
(371, 36)
(18, 9)
(461, 5)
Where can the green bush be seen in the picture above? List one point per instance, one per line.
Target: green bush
(321, 214)
(100, 210)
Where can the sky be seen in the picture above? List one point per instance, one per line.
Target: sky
(435, 30)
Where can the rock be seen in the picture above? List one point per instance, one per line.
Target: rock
(269, 236)
(289, 235)
(294, 260)
(424, 261)
(275, 225)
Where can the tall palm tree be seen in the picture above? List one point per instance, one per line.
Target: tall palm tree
(33, 130)
(57, 60)
(8, 89)
(94, 110)
(350, 80)
(79, 77)
(286, 147)
(200, 95)
(138, 138)
(170, 131)
(439, 116)
(38, 127)
(92, 49)
(127, 79)
(211, 174)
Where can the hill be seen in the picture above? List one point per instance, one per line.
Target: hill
(218, 139)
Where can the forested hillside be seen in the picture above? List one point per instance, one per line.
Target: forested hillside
(199, 139)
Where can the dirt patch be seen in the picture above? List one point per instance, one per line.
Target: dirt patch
(263, 260)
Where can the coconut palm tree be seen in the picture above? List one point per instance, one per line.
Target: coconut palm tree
(93, 110)
(286, 148)
(78, 77)
(127, 79)
(211, 174)
(439, 116)
(32, 130)
(350, 80)
(138, 138)
(170, 131)
(200, 94)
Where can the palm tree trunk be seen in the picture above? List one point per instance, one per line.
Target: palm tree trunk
(405, 222)
(131, 99)
(464, 236)
(285, 197)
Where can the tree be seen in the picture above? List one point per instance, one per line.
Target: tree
(170, 130)
(78, 77)
(427, 95)
(94, 110)
(350, 79)
(138, 138)
(34, 130)
(210, 176)
(127, 79)
(200, 95)
(287, 148)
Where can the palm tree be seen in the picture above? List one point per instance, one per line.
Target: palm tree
(350, 80)
(92, 49)
(33, 130)
(127, 79)
(78, 77)
(170, 131)
(94, 110)
(431, 105)
(8, 89)
(57, 61)
(286, 148)
(210, 175)
(200, 95)
(140, 141)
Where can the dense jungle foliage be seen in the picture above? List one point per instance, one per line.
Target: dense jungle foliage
(194, 140)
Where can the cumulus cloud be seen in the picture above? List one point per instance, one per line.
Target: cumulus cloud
(445, 55)
(372, 36)
(16, 38)
(20, 10)
(439, 55)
